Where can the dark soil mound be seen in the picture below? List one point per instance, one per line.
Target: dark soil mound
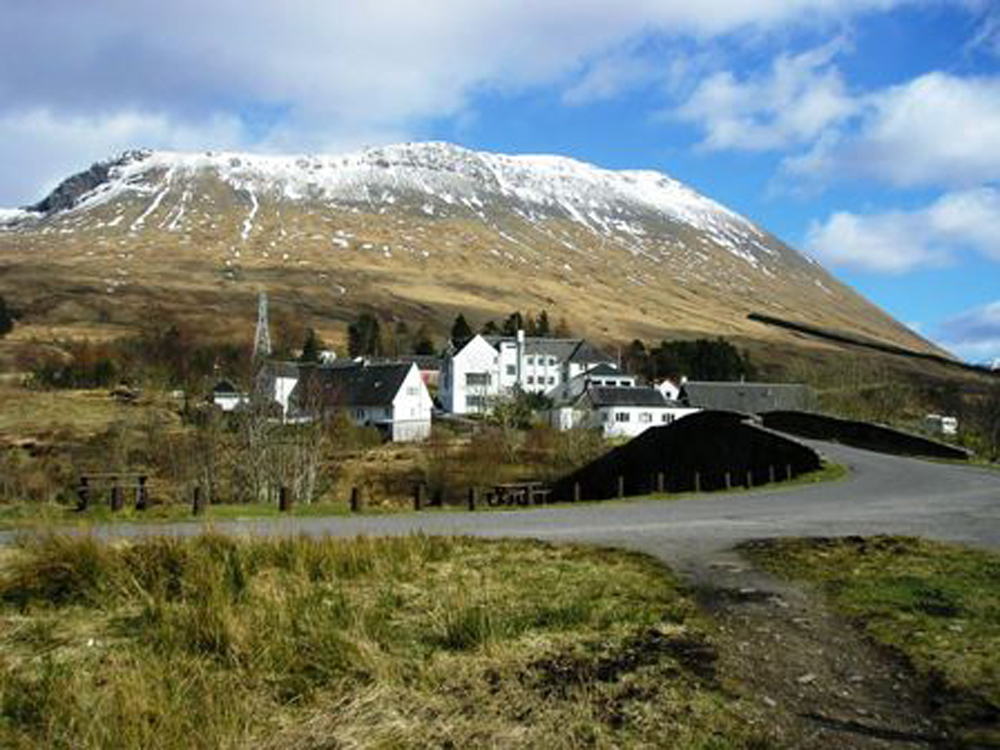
(865, 435)
(694, 452)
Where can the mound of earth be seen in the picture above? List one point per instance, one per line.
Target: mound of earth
(709, 450)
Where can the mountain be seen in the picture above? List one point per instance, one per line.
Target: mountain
(415, 231)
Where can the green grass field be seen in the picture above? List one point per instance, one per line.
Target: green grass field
(215, 642)
(937, 604)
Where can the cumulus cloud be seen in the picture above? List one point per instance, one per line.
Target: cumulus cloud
(975, 334)
(794, 102)
(900, 241)
(937, 129)
(338, 71)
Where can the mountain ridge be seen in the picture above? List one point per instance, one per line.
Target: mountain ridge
(414, 227)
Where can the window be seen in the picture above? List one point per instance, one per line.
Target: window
(622, 416)
(552, 360)
(552, 379)
(475, 402)
(412, 390)
(530, 360)
(359, 413)
(667, 418)
(645, 417)
(531, 380)
(512, 369)
(477, 378)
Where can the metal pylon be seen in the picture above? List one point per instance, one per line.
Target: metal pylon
(262, 338)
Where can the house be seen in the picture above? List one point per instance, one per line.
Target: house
(939, 424)
(391, 397)
(671, 389)
(276, 380)
(626, 411)
(604, 375)
(428, 364)
(227, 396)
(485, 368)
(747, 398)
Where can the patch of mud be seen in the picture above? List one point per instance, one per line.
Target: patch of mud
(824, 684)
(556, 676)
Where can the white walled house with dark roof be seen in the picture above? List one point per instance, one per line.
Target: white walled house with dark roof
(390, 397)
(487, 367)
(626, 411)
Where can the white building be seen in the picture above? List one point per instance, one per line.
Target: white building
(670, 389)
(487, 367)
(626, 411)
(390, 397)
(226, 396)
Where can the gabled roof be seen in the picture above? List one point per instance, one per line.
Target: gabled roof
(565, 350)
(748, 398)
(360, 385)
(422, 361)
(632, 396)
(604, 370)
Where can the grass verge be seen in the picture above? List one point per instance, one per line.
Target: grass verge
(301, 643)
(937, 604)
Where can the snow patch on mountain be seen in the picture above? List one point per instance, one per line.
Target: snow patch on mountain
(438, 178)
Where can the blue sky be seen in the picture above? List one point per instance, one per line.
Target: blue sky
(863, 132)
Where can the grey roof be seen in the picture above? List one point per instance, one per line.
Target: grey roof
(277, 369)
(605, 370)
(631, 396)
(565, 350)
(422, 361)
(360, 385)
(748, 398)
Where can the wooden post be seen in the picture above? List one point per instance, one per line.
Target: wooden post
(83, 493)
(576, 492)
(621, 487)
(117, 497)
(788, 472)
(729, 481)
(749, 478)
(356, 500)
(660, 482)
(284, 499)
(197, 501)
(140, 494)
(418, 496)
(697, 481)
(472, 498)
(770, 473)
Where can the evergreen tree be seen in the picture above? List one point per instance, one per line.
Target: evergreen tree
(422, 341)
(364, 336)
(401, 338)
(311, 347)
(6, 318)
(513, 324)
(490, 329)
(461, 331)
(542, 325)
(530, 327)
(562, 329)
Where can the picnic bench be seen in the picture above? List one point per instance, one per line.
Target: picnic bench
(518, 493)
(116, 483)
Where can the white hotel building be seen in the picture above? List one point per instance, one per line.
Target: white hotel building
(489, 366)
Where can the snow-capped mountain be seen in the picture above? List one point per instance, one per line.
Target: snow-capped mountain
(416, 230)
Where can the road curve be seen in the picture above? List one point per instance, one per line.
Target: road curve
(882, 494)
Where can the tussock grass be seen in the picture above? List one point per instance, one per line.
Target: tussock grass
(938, 604)
(301, 643)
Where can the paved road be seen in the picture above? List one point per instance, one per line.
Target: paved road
(883, 494)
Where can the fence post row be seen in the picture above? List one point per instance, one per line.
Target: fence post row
(284, 499)
(472, 498)
(197, 501)
(356, 500)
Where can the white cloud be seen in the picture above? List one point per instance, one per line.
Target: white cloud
(609, 76)
(975, 334)
(794, 102)
(900, 241)
(339, 70)
(37, 148)
(937, 129)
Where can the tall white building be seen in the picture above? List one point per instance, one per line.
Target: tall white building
(489, 366)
